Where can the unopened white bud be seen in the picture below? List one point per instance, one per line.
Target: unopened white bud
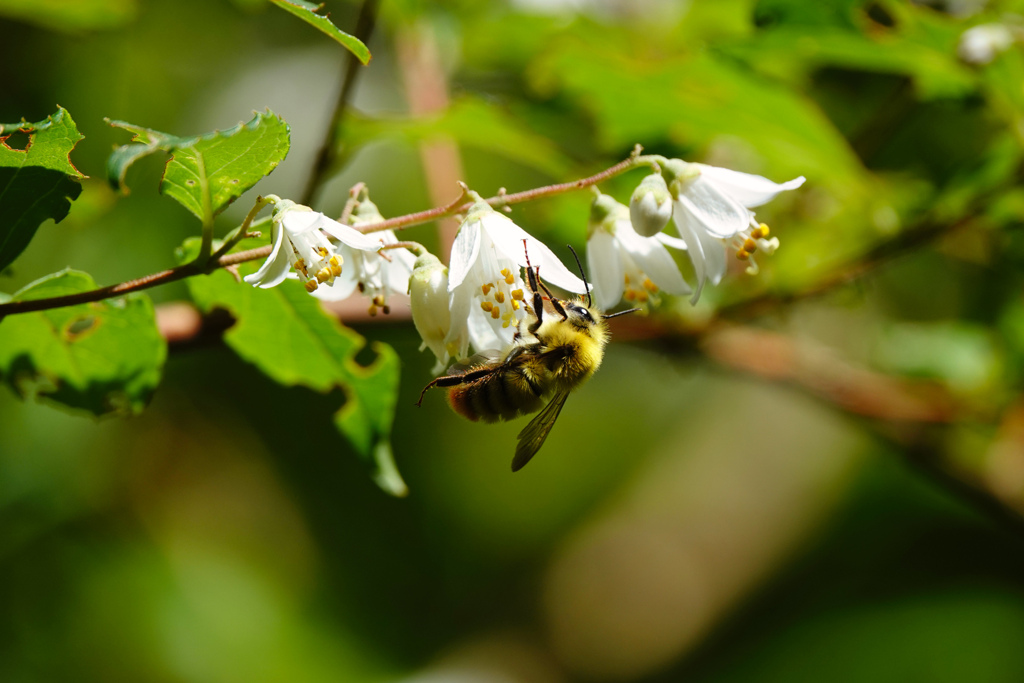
(428, 300)
(650, 207)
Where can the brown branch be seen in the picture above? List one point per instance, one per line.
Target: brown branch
(163, 277)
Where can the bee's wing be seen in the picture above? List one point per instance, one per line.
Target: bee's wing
(488, 357)
(533, 435)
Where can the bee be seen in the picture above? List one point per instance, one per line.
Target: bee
(559, 350)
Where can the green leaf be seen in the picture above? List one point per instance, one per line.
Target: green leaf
(72, 17)
(698, 99)
(208, 172)
(471, 123)
(103, 357)
(284, 332)
(37, 179)
(307, 11)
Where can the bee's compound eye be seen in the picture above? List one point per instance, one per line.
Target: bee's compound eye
(583, 313)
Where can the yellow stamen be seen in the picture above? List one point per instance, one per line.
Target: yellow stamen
(322, 251)
(372, 310)
(750, 245)
(499, 297)
(310, 286)
(650, 286)
(630, 295)
(486, 288)
(506, 272)
(517, 294)
(626, 278)
(335, 266)
(510, 279)
(742, 255)
(495, 313)
(515, 305)
(323, 275)
(641, 296)
(486, 305)
(764, 230)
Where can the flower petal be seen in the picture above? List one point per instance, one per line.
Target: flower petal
(298, 220)
(465, 251)
(349, 235)
(688, 229)
(508, 238)
(653, 259)
(605, 268)
(748, 189)
(670, 241)
(275, 269)
(719, 213)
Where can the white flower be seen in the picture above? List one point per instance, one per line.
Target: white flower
(621, 262)
(428, 300)
(980, 44)
(711, 210)
(486, 290)
(299, 243)
(650, 207)
(374, 274)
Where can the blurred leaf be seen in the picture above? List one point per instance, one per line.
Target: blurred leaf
(207, 172)
(79, 15)
(470, 122)
(794, 51)
(284, 332)
(104, 357)
(698, 99)
(941, 637)
(808, 14)
(307, 11)
(960, 354)
(37, 178)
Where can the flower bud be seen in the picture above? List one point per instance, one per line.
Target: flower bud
(428, 299)
(366, 212)
(650, 207)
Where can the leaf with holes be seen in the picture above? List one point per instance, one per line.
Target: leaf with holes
(103, 357)
(284, 332)
(307, 11)
(37, 179)
(207, 172)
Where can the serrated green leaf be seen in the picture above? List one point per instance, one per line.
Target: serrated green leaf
(307, 11)
(37, 179)
(471, 123)
(207, 172)
(284, 332)
(103, 357)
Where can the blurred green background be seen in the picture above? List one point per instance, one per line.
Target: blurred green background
(687, 520)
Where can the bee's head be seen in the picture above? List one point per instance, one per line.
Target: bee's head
(580, 315)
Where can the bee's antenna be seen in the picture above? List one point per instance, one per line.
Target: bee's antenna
(590, 298)
(615, 315)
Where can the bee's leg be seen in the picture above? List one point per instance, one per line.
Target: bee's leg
(454, 380)
(536, 286)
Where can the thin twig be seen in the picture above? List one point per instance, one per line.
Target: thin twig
(328, 153)
(163, 277)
